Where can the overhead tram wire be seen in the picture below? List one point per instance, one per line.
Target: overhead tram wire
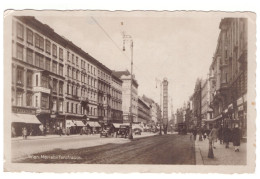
(120, 50)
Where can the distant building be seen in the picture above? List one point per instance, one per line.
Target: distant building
(126, 78)
(143, 112)
(165, 104)
(155, 117)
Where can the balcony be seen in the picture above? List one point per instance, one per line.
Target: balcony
(41, 89)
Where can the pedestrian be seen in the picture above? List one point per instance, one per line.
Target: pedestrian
(213, 135)
(24, 132)
(204, 135)
(220, 135)
(13, 132)
(59, 130)
(194, 132)
(227, 135)
(236, 138)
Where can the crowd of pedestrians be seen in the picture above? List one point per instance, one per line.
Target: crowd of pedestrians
(224, 135)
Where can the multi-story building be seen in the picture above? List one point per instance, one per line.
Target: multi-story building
(116, 100)
(54, 82)
(37, 75)
(165, 104)
(196, 104)
(125, 76)
(143, 112)
(229, 70)
(154, 108)
(104, 93)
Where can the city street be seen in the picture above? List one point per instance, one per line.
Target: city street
(165, 149)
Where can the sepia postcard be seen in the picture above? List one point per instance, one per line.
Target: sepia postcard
(129, 91)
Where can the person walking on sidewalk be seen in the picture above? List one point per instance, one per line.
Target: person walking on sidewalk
(213, 135)
(236, 138)
(227, 136)
(220, 135)
(24, 132)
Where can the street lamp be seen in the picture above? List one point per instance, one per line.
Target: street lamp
(160, 82)
(129, 38)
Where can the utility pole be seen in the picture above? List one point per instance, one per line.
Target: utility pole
(160, 82)
(125, 38)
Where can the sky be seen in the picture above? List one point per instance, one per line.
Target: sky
(178, 46)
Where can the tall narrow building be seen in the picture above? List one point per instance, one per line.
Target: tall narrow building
(165, 104)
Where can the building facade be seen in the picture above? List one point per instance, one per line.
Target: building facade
(144, 116)
(229, 70)
(54, 82)
(126, 93)
(165, 104)
(116, 100)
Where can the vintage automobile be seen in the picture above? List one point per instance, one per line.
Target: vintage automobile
(123, 131)
(108, 131)
(137, 131)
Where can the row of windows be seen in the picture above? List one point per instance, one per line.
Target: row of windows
(38, 41)
(38, 60)
(78, 109)
(87, 79)
(74, 90)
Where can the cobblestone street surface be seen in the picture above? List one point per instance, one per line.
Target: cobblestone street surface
(165, 149)
(222, 156)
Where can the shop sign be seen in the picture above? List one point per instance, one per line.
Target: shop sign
(240, 101)
(23, 110)
(53, 116)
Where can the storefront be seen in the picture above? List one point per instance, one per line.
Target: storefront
(94, 126)
(242, 115)
(28, 121)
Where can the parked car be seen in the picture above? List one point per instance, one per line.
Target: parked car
(107, 132)
(123, 131)
(137, 131)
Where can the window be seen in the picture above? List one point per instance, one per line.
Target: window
(68, 107)
(82, 62)
(76, 108)
(88, 68)
(82, 77)
(68, 56)
(45, 101)
(54, 86)
(77, 62)
(41, 61)
(54, 67)
(36, 80)
(37, 60)
(45, 82)
(28, 99)
(29, 36)
(72, 56)
(19, 77)
(91, 70)
(19, 98)
(29, 56)
(54, 50)
(61, 53)
(61, 88)
(36, 101)
(37, 40)
(72, 106)
(94, 71)
(19, 51)
(68, 89)
(68, 71)
(60, 106)
(41, 43)
(29, 78)
(60, 70)
(19, 30)
(48, 46)
(48, 64)
(77, 74)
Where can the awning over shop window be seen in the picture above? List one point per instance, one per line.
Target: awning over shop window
(93, 124)
(25, 118)
(69, 123)
(117, 125)
(78, 123)
(137, 126)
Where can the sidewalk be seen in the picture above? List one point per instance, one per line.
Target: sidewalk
(222, 156)
(144, 134)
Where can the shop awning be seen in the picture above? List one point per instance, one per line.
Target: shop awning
(93, 124)
(78, 123)
(137, 126)
(69, 123)
(117, 125)
(25, 118)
